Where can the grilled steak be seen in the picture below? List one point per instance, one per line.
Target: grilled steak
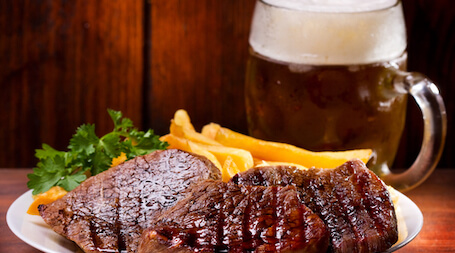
(222, 217)
(353, 202)
(109, 211)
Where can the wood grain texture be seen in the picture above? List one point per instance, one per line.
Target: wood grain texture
(198, 58)
(434, 198)
(13, 185)
(63, 64)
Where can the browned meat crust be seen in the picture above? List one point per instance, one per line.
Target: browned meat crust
(220, 217)
(109, 211)
(353, 202)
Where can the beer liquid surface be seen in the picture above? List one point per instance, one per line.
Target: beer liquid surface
(327, 108)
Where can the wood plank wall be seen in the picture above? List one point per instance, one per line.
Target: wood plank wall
(63, 63)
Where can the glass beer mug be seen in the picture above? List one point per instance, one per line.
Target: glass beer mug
(332, 76)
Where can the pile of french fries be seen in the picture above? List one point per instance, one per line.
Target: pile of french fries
(233, 152)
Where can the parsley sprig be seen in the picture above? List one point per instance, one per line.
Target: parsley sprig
(89, 155)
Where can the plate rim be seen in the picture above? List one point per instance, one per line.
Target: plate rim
(12, 224)
(418, 226)
(23, 199)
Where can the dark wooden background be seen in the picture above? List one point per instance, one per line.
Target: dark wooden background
(63, 63)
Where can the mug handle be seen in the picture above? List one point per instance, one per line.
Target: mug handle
(430, 102)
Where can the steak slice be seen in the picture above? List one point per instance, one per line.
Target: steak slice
(222, 217)
(353, 202)
(109, 211)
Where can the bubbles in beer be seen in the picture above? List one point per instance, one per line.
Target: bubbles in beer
(321, 32)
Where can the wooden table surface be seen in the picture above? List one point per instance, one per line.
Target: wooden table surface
(435, 198)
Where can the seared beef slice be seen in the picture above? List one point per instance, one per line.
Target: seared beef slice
(221, 217)
(353, 202)
(109, 211)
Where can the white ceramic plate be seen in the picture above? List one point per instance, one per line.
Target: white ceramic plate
(32, 229)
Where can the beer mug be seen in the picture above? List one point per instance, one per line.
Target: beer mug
(332, 76)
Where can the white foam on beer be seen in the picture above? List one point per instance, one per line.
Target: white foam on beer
(349, 33)
(333, 5)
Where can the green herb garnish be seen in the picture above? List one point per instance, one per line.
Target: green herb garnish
(89, 155)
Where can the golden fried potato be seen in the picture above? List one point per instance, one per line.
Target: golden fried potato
(216, 153)
(118, 160)
(282, 152)
(210, 130)
(229, 169)
(263, 163)
(44, 198)
(175, 142)
(190, 134)
(197, 149)
(189, 146)
(233, 152)
(182, 118)
(242, 158)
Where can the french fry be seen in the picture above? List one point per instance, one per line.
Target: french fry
(182, 118)
(47, 197)
(215, 153)
(262, 163)
(189, 146)
(281, 152)
(200, 151)
(176, 142)
(190, 134)
(118, 160)
(229, 169)
(233, 152)
(242, 158)
(210, 130)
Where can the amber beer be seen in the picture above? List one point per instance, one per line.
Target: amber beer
(326, 107)
(330, 75)
(321, 77)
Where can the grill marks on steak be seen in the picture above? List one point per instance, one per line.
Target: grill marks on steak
(266, 209)
(353, 202)
(109, 211)
(221, 217)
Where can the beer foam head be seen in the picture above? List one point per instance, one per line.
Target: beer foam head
(322, 32)
(333, 5)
